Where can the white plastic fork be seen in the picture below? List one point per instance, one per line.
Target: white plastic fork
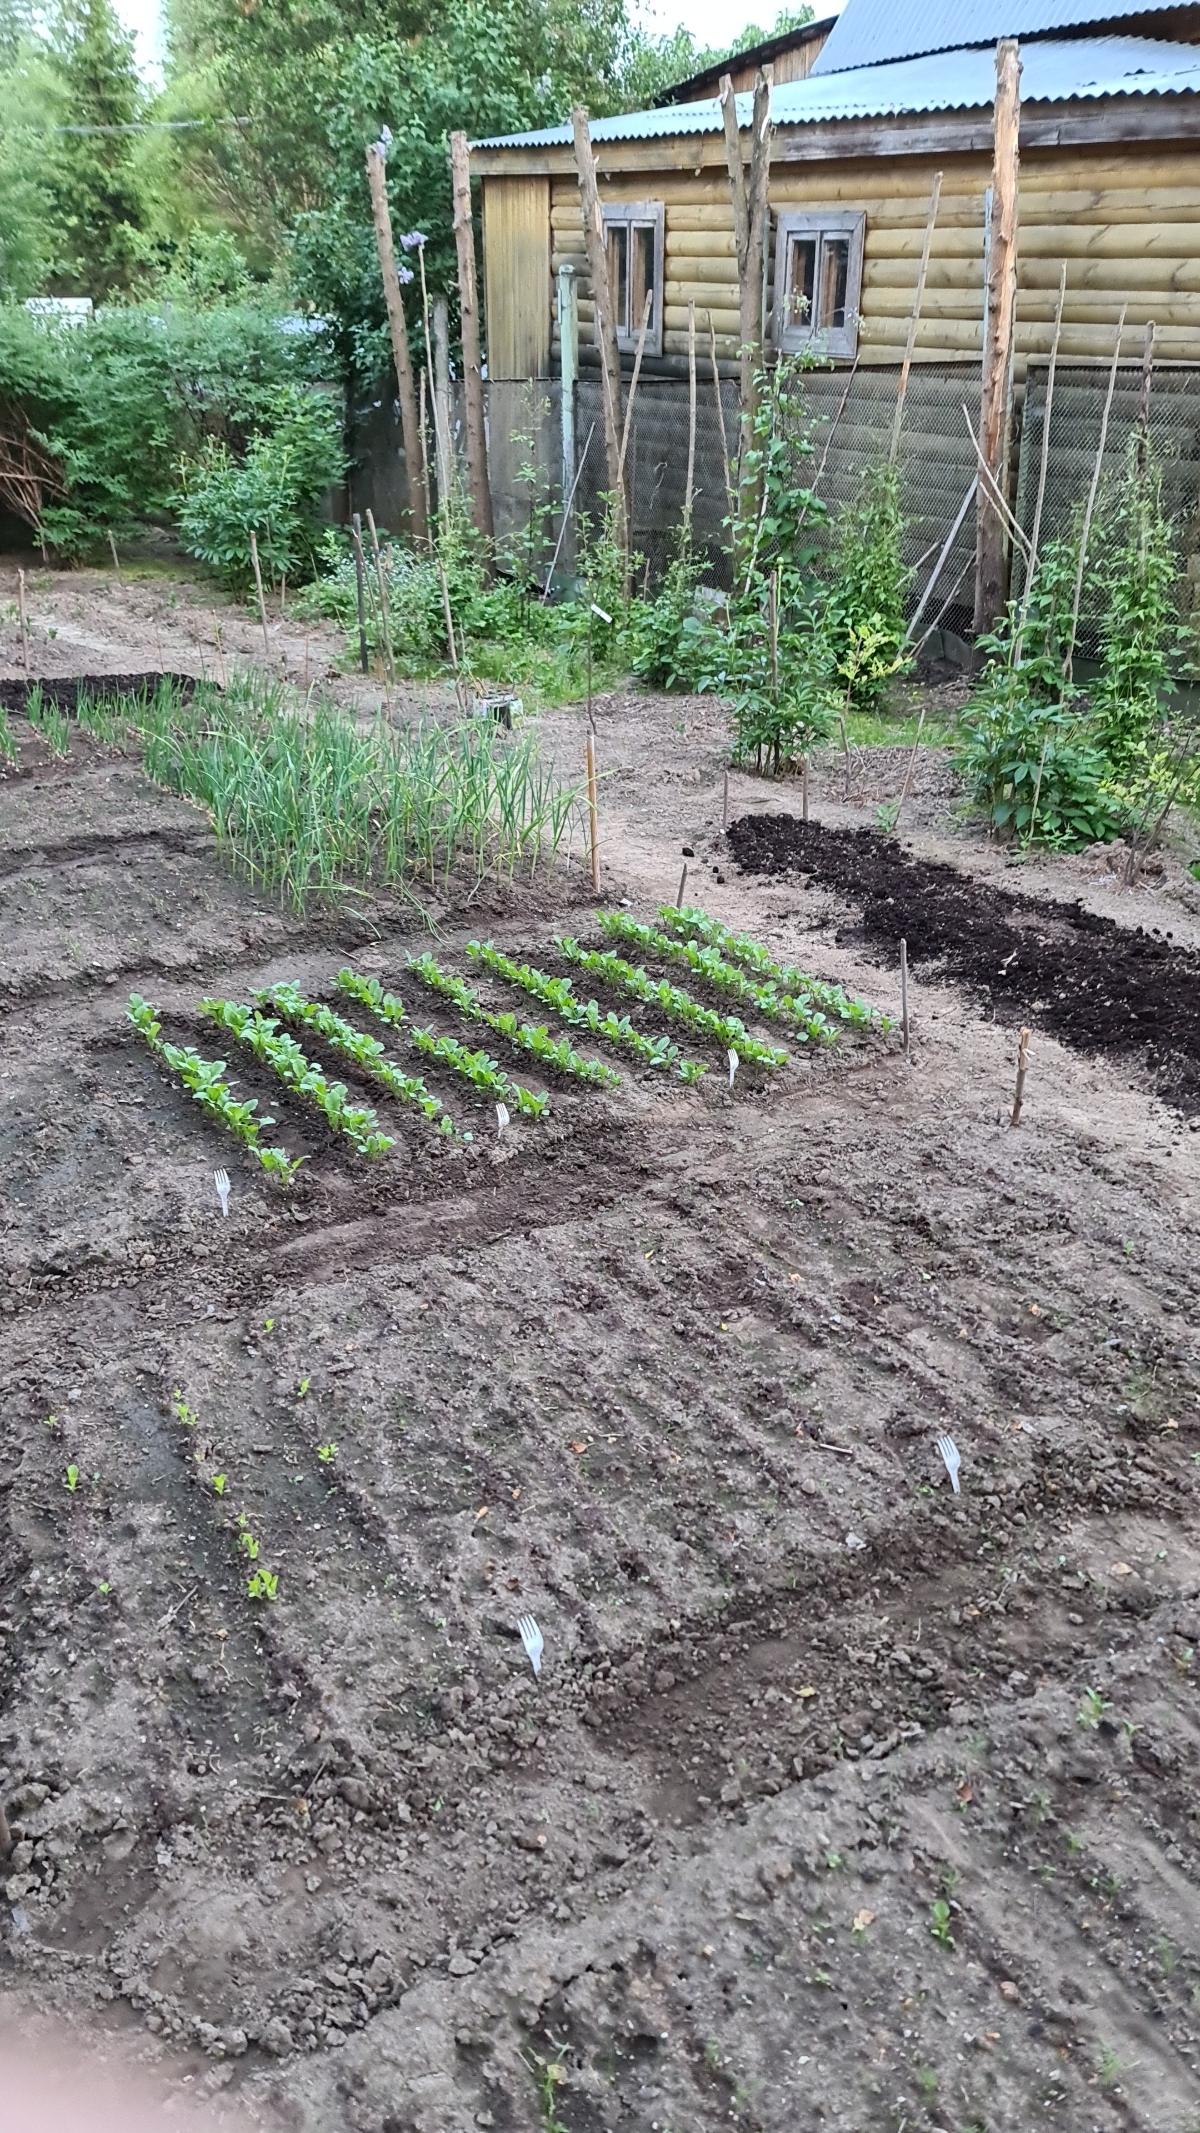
(221, 1181)
(734, 1064)
(953, 1458)
(501, 1119)
(533, 1640)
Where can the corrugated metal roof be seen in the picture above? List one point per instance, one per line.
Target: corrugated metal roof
(868, 33)
(1054, 72)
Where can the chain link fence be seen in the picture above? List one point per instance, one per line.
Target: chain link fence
(1170, 412)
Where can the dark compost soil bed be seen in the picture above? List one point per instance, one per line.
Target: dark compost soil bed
(65, 690)
(1097, 986)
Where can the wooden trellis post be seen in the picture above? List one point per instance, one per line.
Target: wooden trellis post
(995, 397)
(468, 303)
(377, 180)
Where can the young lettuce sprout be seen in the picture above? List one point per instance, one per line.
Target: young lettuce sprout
(523, 1036)
(677, 1005)
(283, 1055)
(557, 995)
(691, 924)
(204, 1080)
(366, 1052)
(805, 1021)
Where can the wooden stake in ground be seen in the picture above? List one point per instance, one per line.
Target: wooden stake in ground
(1143, 413)
(691, 463)
(593, 815)
(1097, 470)
(750, 213)
(262, 605)
(116, 561)
(912, 764)
(1022, 1065)
(915, 316)
(725, 806)
(596, 247)
(24, 620)
(990, 574)
(682, 887)
(804, 789)
(423, 429)
(468, 304)
(360, 589)
(904, 1022)
(381, 216)
(730, 495)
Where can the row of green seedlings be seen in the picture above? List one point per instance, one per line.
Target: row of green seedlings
(560, 997)
(807, 1024)
(366, 1053)
(273, 1048)
(479, 1068)
(549, 1051)
(784, 988)
(205, 1081)
(261, 1583)
(672, 1001)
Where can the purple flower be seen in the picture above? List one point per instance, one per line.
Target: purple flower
(412, 240)
(404, 274)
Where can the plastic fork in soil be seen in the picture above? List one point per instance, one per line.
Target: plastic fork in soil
(953, 1460)
(221, 1181)
(533, 1640)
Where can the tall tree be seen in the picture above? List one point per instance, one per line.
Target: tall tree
(97, 201)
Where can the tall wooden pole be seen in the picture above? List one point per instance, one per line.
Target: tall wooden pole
(377, 180)
(606, 325)
(441, 402)
(750, 210)
(468, 303)
(990, 572)
(915, 317)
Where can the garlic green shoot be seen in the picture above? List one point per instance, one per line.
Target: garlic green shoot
(204, 1079)
(524, 1036)
(672, 1001)
(610, 1028)
(365, 1052)
(806, 1023)
(691, 924)
(261, 1033)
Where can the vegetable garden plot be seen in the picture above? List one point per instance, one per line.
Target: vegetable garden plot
(1095, 985)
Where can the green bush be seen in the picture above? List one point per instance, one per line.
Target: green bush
(272, 490)
(865, 585)
(1032, 767)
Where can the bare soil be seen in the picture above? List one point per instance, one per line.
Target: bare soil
(841, 1801)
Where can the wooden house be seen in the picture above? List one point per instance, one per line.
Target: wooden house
(896, 90)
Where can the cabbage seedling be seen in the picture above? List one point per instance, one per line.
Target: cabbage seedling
(327, 1453)
(262, 1584)
(72, 1479)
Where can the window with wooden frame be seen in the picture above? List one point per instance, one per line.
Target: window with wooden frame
(818, 281)
(634, 234)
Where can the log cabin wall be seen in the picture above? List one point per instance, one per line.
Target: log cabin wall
(1124, 216)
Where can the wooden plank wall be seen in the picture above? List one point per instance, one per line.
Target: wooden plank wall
(1126, 220)
(517, 275)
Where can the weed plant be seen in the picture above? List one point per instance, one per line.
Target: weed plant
(558, 995)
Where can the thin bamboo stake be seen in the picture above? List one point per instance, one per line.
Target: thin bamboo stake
(943, 558)
(730, 492)
(834, 424)
(725, 806)
(1086, 528)
(360, 589)
(845, 753)
(912, 764)
(804, 789)
(593, 817)
(682, 887)
(262, 605)
(1037, 788)
(1036, 534)
(915, 316)
(1022, 1066)
(691, 458)
(24, 620)
(993, 488)
(1143, 413)
(116, 559)
(381, 216)
(385, 613)
(904, 1021)
(425, 488)
(633, 384)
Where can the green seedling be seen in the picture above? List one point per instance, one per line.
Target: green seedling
(268, 1325)
(1092, 1709)
(327, 1453)
(181, 1411)
(805, 1022)
(480, 1070)
(72, 1479)
(557, 994)
(302, 1387)
(218, 1482)
(262, 1584)
(262, 1035)
(691, 924)
(523, 1036)
(204, 1080)
(677, 1005)
(939, 1922)
(248, 1546)
(366, 1053)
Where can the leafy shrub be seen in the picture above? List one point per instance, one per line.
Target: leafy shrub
(862, 611)
(1032, 767)
(665, 637)
(1138, 571)
(272, 490)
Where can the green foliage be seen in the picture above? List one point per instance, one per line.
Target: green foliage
(862, 612)
(480, 1070)
(672, 1001)
(365, 1052)
(664, 636)
(262, 1035)
(96, 202)
(272, 490)
(1031, 767)
(782, 984)
(706, 962)
(523, 1035)
(1138, 570)
(558, 995)
(205, 1079)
